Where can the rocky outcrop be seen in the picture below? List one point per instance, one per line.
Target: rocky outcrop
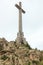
(12, 53)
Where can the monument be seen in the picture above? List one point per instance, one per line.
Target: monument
(20, 36)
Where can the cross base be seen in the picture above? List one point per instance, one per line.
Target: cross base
(20, 38)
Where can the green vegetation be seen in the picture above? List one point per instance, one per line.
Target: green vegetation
(41, 57)
(29, 63)
(40, 63)
(26, 55)
(4, 57)
(16, 55)
(27, 45)
(6, 44)
(1, 47)
(35, 62)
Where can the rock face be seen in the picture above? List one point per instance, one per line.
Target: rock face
(12, 53)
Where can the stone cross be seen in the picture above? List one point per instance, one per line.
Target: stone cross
(20, 16)
(20, 36)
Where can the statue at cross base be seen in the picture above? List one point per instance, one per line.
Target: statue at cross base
(20, 36)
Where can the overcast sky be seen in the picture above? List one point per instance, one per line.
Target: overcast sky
(32, 21)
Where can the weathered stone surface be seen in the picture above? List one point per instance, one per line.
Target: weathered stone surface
(20, 36)
(19, 54)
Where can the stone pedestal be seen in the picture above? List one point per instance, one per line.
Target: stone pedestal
(20, 38)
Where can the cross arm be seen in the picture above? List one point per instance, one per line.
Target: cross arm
(19, 8)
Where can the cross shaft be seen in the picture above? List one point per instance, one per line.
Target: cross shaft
(20, 16)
